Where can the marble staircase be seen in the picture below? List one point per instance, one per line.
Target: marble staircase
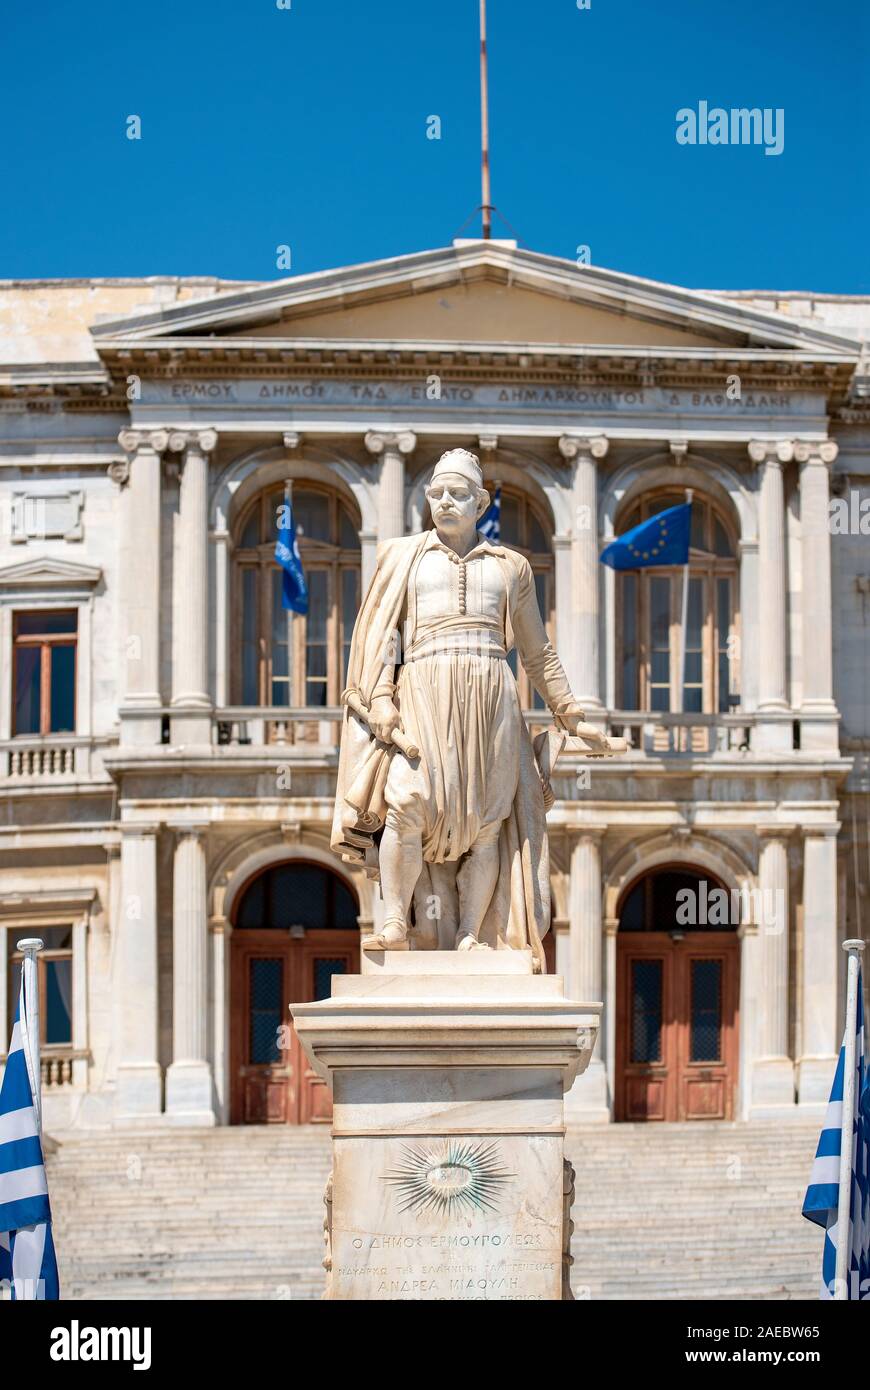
(670, 1212)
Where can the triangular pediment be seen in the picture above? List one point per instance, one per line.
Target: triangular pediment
(45, 572)
(477, 293)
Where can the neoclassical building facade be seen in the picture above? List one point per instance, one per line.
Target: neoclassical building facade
(168, 732)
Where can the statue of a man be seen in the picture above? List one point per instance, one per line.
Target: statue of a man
(461, 825)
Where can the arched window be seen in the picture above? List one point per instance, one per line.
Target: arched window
(296, 895)
(285, 658)
(524, 528)
(671, 898)
(649, 612)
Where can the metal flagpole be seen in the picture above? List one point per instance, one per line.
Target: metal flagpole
(685, 617)
(484, 130)
(844, 1203)
(29, 1023)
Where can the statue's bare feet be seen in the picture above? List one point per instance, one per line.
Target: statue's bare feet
(393, 936)
(467, 942)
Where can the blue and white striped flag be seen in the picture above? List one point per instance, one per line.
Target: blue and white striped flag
(820, 1203)
(27, 1261)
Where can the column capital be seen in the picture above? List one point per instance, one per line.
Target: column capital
(573, 446)
(188, 829)
(829, 831)
(143, 441)
(401, 441)
(821, 452)
(119, 471)
(192, 441)
(773, 452)
(593, 833)
(775, 832)
(139, 829)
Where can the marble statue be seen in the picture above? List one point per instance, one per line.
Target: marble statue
(440, 791)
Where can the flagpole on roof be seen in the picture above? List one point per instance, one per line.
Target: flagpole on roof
(685, 616)
(486, 207)
(853, 947)
(29, 1021)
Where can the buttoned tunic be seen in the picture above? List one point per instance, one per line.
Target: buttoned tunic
(458, 698)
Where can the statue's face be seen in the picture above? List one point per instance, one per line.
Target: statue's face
(453, 502)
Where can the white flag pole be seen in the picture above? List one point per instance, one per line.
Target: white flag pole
(844, 1205)
(29, 1021)
(684, 620)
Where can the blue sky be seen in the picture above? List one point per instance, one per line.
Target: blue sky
(307, 127)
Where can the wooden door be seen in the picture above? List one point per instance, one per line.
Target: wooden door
(676, 1048)
(272, 1082)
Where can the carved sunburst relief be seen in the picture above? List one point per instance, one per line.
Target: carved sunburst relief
(458, 1176)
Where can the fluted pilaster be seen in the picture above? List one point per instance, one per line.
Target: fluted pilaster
(190, 587)
(584, 454)
(392, 450)
(189, 1094)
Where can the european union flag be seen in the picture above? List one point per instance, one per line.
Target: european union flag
(663, 540)
(490, 523)
(294, 590)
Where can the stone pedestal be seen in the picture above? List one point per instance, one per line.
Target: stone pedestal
(448, 1073)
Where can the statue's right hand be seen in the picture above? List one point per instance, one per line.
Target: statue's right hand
(384, 718)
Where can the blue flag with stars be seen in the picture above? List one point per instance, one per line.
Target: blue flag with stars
(294, 590)
(490, 523)
(662, 540)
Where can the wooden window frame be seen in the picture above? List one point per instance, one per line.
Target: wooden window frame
(46, 642)
(704, 565)
(44, 956)
(316, 554)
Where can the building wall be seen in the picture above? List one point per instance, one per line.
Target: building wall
(65, 837)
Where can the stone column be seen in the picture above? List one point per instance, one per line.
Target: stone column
(818, 711)
(138, 1092)
(221, 540)
(189, 1088)
(587, 1098)
(221, 931)
(567, 631)
(392, 449)
(585, 454)
(773, 1081)
(140, 585)
(368, 541)
(191, 722)
(819, 1042)
(750, 1009)
(611, 930)
(774, 730)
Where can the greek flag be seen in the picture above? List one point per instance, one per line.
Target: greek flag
(490, 523)
(662, 540)
(294, 590)
(27, 1262)
(820, 1203)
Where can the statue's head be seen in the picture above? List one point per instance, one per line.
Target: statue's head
(456, 494)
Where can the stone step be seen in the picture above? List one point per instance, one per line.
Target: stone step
(661, 1212)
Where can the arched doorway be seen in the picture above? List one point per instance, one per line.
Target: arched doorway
(677, 993)
(294, 927)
